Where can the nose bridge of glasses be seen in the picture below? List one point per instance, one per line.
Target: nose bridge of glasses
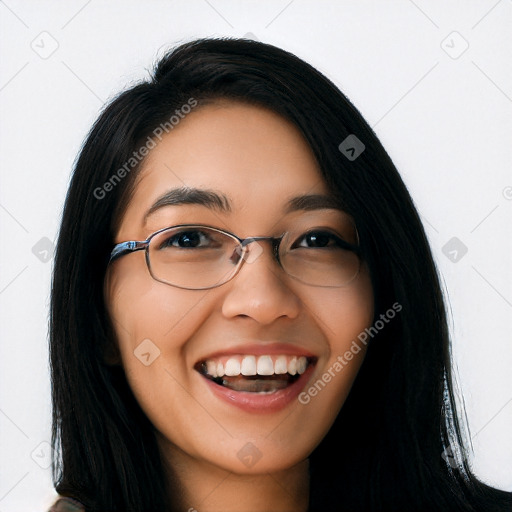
(251, 239)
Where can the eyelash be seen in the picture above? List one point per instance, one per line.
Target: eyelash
(334, 241)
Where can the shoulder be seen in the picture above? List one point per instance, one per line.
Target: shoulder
(64, 504)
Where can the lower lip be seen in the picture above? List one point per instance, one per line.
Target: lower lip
(261, 403)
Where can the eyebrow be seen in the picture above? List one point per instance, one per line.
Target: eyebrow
(219, 201)
(310, 202)
(187, 195)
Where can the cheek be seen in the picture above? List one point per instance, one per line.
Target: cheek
(153, 323)
(343, 313)
(142, 308)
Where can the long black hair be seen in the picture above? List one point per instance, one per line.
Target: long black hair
(391, 446)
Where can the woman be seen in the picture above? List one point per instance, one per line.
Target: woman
(245, 310)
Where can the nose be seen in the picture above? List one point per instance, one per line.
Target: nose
(260, 289)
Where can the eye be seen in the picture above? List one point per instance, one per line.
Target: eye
(319, 239)
(187, 240)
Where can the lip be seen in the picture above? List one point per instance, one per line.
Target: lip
(261, 403)
(255, 402)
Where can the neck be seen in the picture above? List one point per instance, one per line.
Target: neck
(199, 486)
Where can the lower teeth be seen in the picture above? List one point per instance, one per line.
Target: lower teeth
(256, 384)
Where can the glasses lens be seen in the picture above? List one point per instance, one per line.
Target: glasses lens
(193, 257)
(198, 257)
(321, 257)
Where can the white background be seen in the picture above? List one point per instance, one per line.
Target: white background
(444, 116)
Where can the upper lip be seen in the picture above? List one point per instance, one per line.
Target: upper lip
(260, 349)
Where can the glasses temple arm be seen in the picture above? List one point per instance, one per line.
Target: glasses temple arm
(125, 248)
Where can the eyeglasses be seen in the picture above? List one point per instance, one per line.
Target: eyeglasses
(196, 257)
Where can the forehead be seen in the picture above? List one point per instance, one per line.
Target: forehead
(252, 155)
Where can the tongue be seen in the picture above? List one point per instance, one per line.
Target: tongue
(256, 384)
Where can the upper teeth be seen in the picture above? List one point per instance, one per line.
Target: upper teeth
(256, 365)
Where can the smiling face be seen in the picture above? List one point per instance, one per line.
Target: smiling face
(222, 373)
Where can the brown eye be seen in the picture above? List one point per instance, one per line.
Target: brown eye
(185, 240)
(320, 240)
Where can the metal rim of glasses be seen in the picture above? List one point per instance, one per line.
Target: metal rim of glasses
(132, 246)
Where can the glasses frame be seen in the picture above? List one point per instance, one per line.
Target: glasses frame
(123, 248)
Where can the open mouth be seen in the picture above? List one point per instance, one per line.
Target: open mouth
(264, 374)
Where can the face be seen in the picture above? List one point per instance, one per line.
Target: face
(176, 343)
